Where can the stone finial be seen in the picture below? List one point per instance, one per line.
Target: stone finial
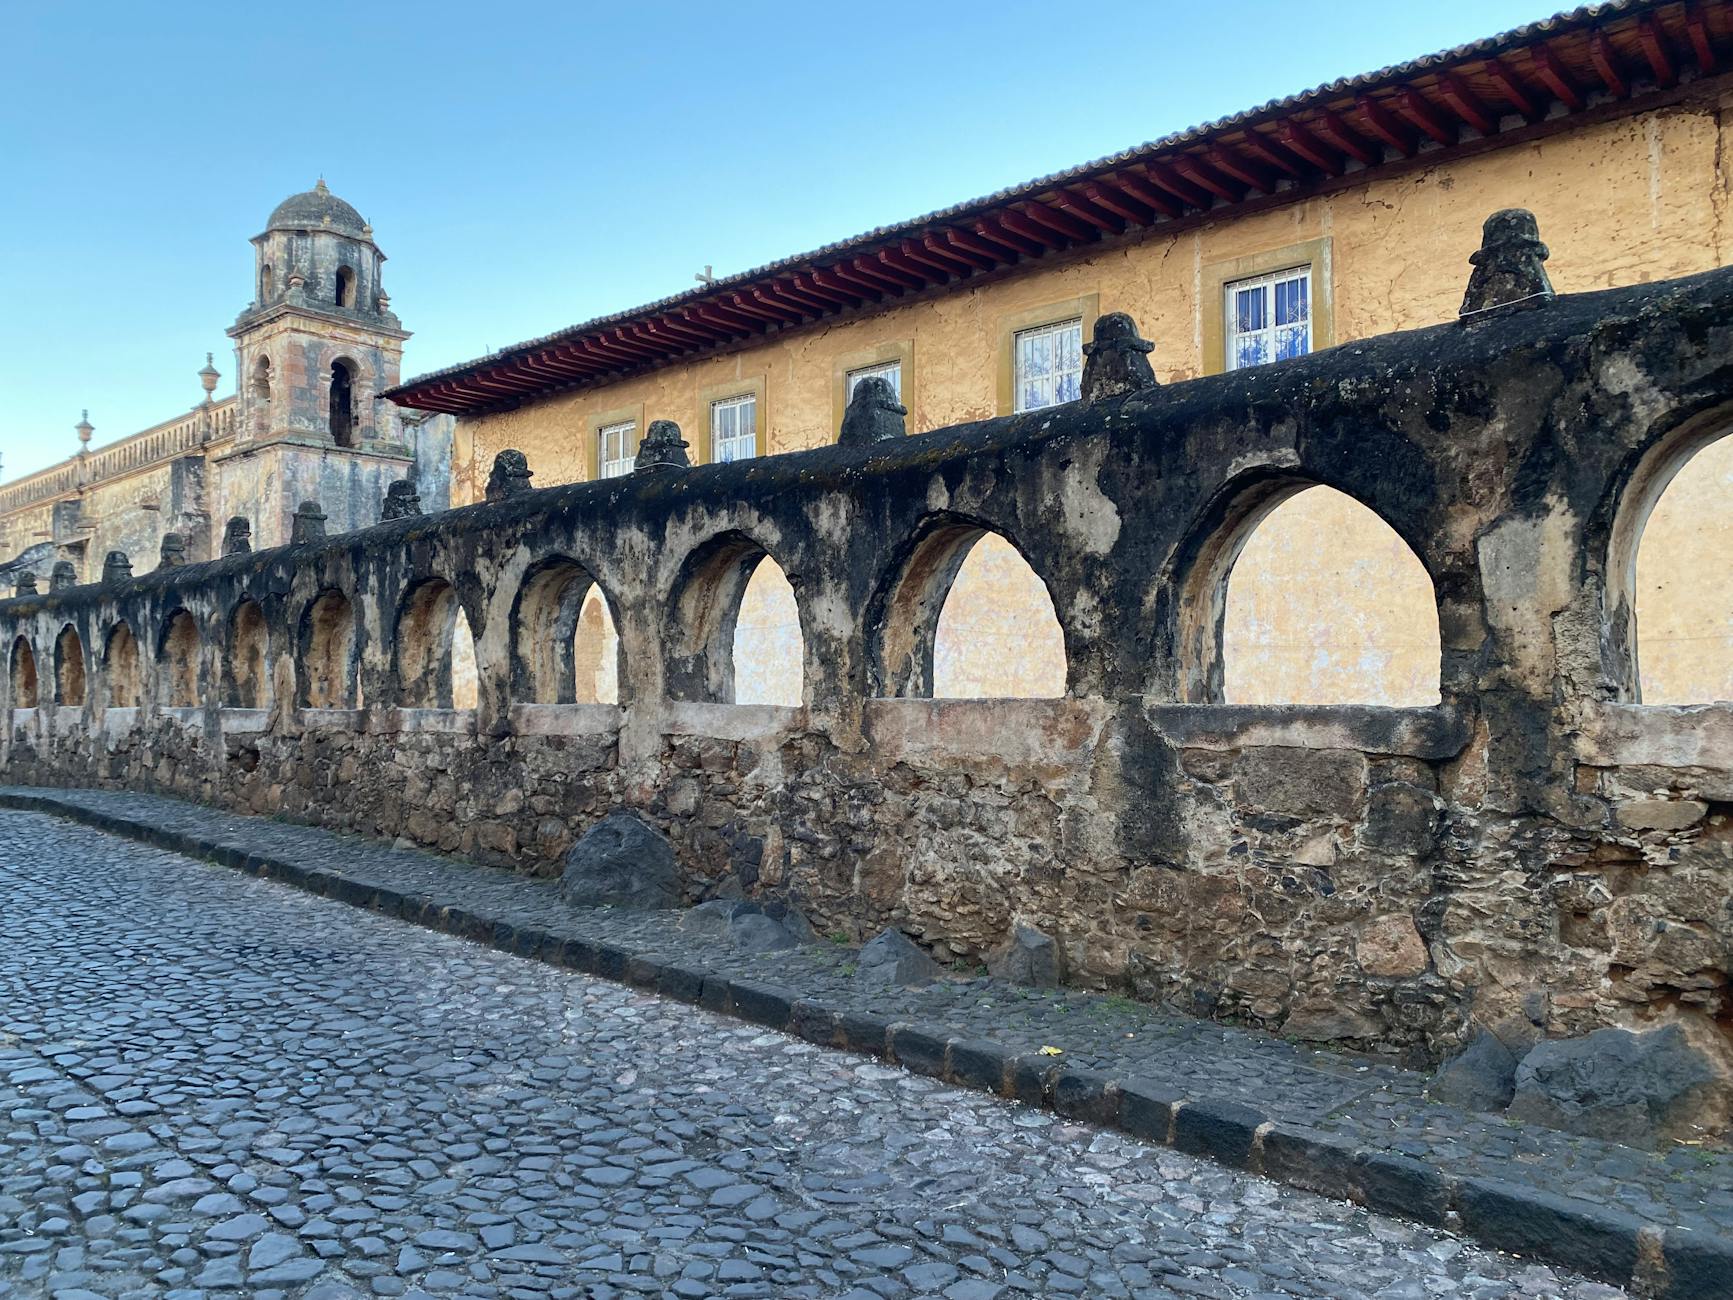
(208, 377)
(308, 525)
(662, 448)
(510, 475)
(1116, 359)
(873, 414)
(402, 501)
(1508, 270)
(84, 428)
(237, 535)
(173, 553)
(116, 566)
(24, 584)
(63, 576)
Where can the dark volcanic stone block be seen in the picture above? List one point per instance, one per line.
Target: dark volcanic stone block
(976, 1064)
(1219, 1130)
(1528, 1221)
(917, 1048)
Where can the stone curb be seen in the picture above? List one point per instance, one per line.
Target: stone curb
(1666, 1264)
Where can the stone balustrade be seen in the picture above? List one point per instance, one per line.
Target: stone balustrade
(1539, 850)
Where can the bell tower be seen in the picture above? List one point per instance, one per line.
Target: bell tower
(313, 350)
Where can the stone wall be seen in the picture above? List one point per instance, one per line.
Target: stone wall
(1537, 852)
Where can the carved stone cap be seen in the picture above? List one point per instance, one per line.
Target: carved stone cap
(116, 566)
(1509, 270)
(237, 536)
(173, 553)
(402, 501)
(874, 414)
(1116, 359)
(308, 525)
(662, 448)
(25, 584)
(63, 575)
(510, 475)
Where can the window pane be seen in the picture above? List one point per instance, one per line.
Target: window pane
(890, 371)
(1048, 364)
(1269, 318)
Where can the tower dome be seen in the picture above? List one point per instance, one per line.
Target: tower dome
(318, 209)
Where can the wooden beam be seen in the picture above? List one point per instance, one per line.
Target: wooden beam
(1301, 142)
(1655, 49)
(1004, 236)
(833, 292)
(1514, 91)
(898, 265)
(1386, 127)
(1253, 176)
(1195, 172)
(972, 246)
(1344, 137)
(1552, 75)
(1601, 54)
(1176, 185)
(1117, 202)
(1264, 149)
(940, 262)
(1697, 28)
(1468, 107)
(1096, 216)
(1419, 112)
(833, 279)
(1059, 222)
(1147, 194)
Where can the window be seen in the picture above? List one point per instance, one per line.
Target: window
(345, 287)
(1049, 365)
(343, 403)
(1269, 318)
(615, 448)
(890, 371)
(734, 428)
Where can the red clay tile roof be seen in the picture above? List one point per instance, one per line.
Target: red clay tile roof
(1609, 57)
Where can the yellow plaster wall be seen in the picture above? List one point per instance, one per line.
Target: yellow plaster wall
(1685, 585)
(1632, 200)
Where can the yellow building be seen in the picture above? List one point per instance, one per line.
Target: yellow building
(1344, 212)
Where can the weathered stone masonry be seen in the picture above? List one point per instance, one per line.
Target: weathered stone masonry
(1540, 853)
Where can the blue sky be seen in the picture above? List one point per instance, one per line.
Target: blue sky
(527, 166)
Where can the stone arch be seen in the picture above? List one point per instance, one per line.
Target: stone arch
(23, 670)
(246, 663)
(1297, 593)
(342, 404)
(1001, 637)
(427, 622)
(343, 291)
(563, 637)
(177, 658)
(1668, 611)
(704, 617)
(121, 667)
(69, 667)
(327, 652)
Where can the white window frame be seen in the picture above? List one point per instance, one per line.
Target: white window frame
(1053, 380)
(1267, 333)
(891, 370)
(625, 450)
(727, 446)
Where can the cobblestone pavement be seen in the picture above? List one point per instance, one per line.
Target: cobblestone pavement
(214, 1085)
(1369, 1103)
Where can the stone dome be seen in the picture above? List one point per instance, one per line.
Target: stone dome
(317, 209)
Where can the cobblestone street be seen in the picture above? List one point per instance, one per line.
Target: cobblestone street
(215, 1085)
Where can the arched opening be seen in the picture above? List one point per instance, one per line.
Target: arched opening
(965, 618)
(345, 289)
(1316, 600)
(1681, 539)
(246, 672)
(262, 379)
(120, 668)
(596, 652)
(564, 648)
(723, 649)
(178, 662)
(267, 283)
(430, 624)
(327, 676)
(343, 402)
(23, 675)
(69, 667)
